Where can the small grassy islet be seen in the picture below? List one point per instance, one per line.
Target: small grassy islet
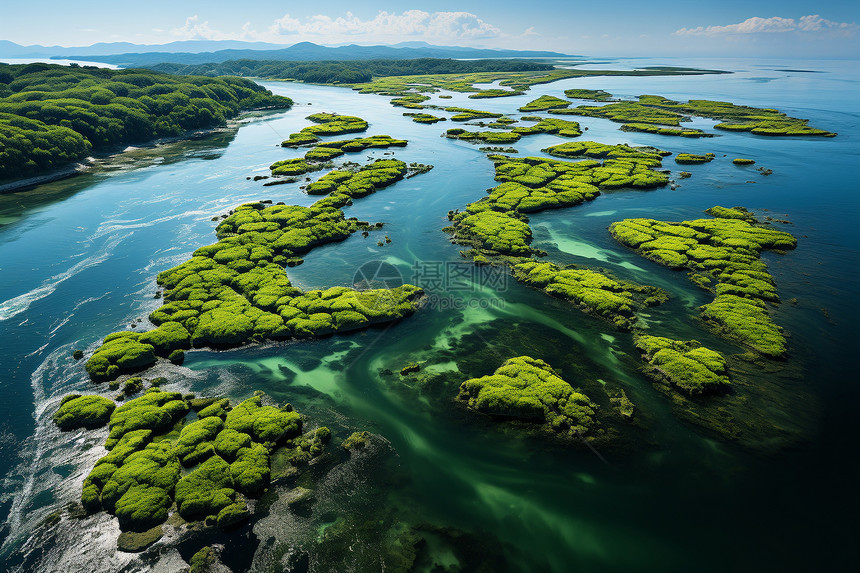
(526, 388)
(687, 366)
(424, 117)
(693, 159)
(544, 103)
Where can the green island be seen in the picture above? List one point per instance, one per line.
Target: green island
(692, 159)
(495, 92)
(334, 124)
(687, 366)
(660, 130)
(323, 152)
(424, 117)
(544, 103)
(496, 227)
(236, 291)
(593, 95)
(593, 292)
(516, 82)
(625, 112)
(78, 411)
(723, 256)
(644, 158)
(653, 109)
(554, 126)
(528, 389)
(197, 459)
(482, 136)
(466, 114)
(742, 161)
(53, 115)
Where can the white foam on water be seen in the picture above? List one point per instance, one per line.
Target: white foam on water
(17, 305)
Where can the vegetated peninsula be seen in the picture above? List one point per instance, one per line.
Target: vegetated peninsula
(348, 72)
(52, 115)
(512, 83)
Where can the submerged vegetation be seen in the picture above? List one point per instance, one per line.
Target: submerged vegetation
(52, 115)
(725, 251)
(526, 388)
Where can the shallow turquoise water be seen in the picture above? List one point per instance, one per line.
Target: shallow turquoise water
(79, 258)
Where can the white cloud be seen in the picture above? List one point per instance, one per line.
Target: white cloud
(194, 29)
(775, 24)
(386, 26)
(411, 23)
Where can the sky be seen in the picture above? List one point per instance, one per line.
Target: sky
(753, 28)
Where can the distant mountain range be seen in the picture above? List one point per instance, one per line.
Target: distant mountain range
(126, 54)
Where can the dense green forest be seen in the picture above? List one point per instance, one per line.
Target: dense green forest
(335, 72)
(51, 115)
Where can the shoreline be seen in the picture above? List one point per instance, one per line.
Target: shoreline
(86, 164)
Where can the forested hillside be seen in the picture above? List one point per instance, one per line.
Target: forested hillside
(51, 115)
(346, 72)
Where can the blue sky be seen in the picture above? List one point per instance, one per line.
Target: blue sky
(621, 28)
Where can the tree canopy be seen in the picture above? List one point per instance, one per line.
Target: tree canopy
(51, 115)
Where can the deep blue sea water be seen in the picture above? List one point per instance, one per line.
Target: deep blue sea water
(78, 260)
